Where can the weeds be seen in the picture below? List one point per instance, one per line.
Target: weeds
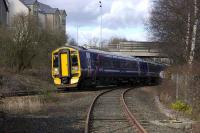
(20, 105)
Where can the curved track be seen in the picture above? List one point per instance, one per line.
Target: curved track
(130, 116)
(145, 115)
(87, 124)
(109, 112)
(125, 110)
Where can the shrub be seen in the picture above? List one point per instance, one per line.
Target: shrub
(180, 106)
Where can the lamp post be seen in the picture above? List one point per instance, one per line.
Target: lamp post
(77, 35)
(100, 43)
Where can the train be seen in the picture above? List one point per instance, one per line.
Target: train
(79, 67)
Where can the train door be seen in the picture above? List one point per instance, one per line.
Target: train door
(96, 67)
(143, 68)
(65, 64)
(89, 64)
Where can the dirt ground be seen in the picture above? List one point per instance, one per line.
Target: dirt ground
(66, 112)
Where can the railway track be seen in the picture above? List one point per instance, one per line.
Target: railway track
(109, 113)
(26, 93)
(32, 93)
(145, 113)
(125, 110)
(132, 119)
(19, 93)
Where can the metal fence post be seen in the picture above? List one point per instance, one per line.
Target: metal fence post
(177, 86)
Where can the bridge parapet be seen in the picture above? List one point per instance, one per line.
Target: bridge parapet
(146, 50)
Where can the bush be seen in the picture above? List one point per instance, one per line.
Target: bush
(180, 106)
(27, 46)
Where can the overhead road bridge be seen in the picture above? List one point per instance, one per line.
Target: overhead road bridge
(145, 50)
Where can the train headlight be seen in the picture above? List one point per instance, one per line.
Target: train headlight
(56, 71)
(75, 68)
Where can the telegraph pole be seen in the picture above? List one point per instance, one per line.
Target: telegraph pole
(100, 43)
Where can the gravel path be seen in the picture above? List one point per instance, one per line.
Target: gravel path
(142, 105)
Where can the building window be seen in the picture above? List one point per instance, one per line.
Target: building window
(35, 10)
(63, 20)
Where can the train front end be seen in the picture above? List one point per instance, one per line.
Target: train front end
(66, 70)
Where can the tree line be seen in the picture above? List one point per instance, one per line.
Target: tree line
(175, 23)
(26, 45)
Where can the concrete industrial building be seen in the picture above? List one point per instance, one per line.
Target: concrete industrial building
(3, 12)
(48, 17)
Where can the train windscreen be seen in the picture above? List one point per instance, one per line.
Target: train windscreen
(55, 61)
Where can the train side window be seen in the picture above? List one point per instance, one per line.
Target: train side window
(134, 65)
(123, 64)
(116, 64)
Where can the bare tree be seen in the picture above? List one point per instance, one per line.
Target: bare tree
(117, 40)
(26, 45)
(72, 42)
(194, 33)
(93, 42)
(175, 22)
(22, 49)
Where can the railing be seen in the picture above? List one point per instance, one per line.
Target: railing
(150, 48)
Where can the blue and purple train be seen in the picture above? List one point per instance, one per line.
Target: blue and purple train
(78, 67)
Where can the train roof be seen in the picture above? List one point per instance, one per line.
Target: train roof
(81, 48)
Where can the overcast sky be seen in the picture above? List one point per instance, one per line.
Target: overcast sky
(122, 18)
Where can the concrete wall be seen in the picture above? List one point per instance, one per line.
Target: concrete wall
(53, 21)
(33, 9)
(63, 22)
(3, 13)
(16, 7)
(42, 20)
(56, 20)
(49, 21)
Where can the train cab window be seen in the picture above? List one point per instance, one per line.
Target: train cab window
(74, 62)
(55, 61)
(74, 58)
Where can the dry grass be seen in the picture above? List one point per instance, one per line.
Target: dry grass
(31, 80)
(21, 105)
(188, 85)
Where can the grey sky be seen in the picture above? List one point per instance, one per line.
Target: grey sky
(124, 18)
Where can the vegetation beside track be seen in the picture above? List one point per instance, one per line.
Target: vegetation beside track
(25, 60)
(179, 85)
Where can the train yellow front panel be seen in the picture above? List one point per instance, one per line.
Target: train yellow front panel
(64, 65)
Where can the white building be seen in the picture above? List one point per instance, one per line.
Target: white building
(16, 7)
(49, 18)
(3, 12)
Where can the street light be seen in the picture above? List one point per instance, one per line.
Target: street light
(100, 5)
(77, 35)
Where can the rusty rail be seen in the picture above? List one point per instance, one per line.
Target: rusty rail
(87, 123)
(130, 116)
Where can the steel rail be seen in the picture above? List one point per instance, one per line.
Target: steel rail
(27, 93)
(87, 123)
(130, 117)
